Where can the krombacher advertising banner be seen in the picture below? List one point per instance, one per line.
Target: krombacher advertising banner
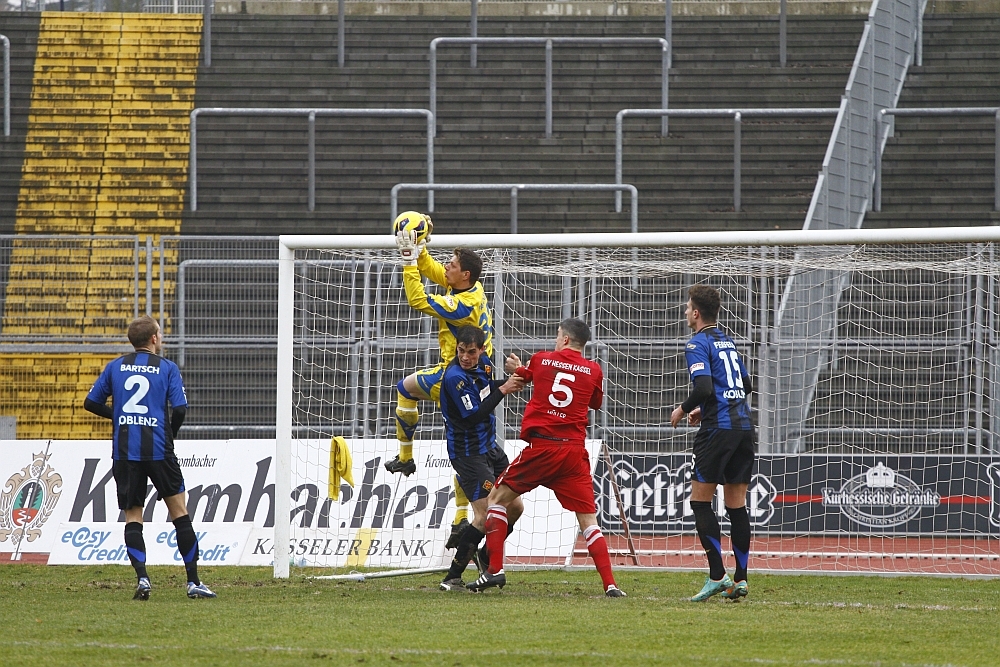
(59, 498)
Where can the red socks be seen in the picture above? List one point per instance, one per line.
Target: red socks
(598, 548)
(496, 533)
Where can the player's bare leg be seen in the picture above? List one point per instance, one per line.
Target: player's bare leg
(597, 546)
(135, 545)
(710, 535)
(187, 544)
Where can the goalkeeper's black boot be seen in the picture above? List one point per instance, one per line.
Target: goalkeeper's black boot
(487, 580)
(405, 467)
(142, 589)
(456, 532)
(614, 592)
(481, 559)
(452, 585)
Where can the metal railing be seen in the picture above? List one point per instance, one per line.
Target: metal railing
(548, 43)
(514, 188)
(882, 136)
(6, 85)
(737, 115)
(311, 114)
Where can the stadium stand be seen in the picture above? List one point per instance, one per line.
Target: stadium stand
(938, 171)
(105, 152)
(252, 172)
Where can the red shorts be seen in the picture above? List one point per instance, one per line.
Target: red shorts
(563, 468)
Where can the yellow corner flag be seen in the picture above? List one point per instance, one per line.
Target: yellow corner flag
(340, 466)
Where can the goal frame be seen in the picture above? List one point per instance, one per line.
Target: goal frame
(288, 244)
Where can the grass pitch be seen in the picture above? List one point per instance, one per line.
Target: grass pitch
(85, 616)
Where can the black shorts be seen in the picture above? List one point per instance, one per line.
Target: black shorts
(724, 456)
(131, 478)
(477, 474)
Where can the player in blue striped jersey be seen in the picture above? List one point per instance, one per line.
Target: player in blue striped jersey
(143, 386)
(469, 395)
(724, 445)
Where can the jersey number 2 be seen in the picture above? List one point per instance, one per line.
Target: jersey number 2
(732, 369)
(132, 406)
(559, 388)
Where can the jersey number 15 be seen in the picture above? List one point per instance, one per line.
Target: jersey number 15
(733, 375)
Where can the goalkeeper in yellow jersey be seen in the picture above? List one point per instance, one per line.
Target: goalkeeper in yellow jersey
(463, 303)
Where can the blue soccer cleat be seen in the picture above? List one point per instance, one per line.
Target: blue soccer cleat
(196, 591)
(736, 591)
(142, 589)
(713, 588)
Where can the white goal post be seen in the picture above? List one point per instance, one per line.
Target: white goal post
(876, 370)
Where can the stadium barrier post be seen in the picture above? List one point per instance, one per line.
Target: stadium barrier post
(737, 167)
(340, 33)
(6, 85)
(473, 31)
(783, 33)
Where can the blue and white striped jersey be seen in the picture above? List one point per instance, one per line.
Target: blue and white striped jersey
(140, 385)
(712, 352)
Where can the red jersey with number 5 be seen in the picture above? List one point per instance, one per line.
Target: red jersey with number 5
(566, 386)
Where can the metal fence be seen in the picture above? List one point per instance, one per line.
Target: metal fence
(882, 132)
(514, 189)
(549, 43)
(311, 115)
(928, 336)
(737, 116)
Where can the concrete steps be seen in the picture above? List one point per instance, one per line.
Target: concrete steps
(491, 119)
(939, 171)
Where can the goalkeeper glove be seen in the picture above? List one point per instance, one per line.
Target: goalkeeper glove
(409, 249)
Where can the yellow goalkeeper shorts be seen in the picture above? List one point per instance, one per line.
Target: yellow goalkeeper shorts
(429, 380)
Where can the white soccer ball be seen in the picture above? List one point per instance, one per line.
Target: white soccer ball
(416, 222)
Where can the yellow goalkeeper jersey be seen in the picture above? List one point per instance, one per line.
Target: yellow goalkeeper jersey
(452, 309)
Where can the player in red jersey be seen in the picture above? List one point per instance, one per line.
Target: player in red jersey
(567, 385)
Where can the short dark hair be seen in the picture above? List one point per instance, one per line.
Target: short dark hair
(705, 300)
(470, 261)
(141, 330)
(470, 335)
(576, 329)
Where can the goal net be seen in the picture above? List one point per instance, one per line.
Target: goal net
(874, 361)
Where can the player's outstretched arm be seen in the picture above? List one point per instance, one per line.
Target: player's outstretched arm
(483, 410)
(99, 409)
(431, 269)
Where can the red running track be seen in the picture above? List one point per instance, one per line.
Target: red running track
(914, 555)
